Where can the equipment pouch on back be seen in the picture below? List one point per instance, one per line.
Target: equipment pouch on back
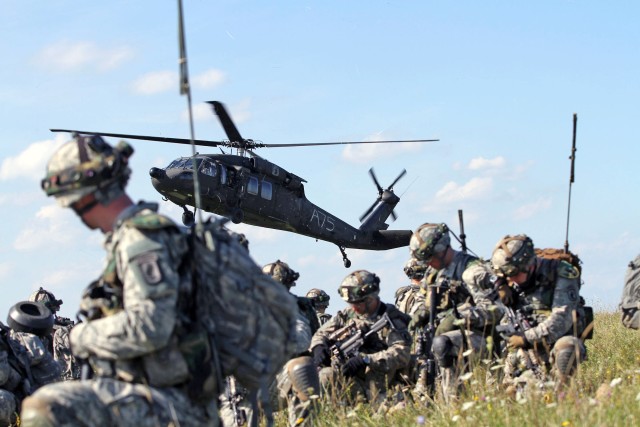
(630, 304)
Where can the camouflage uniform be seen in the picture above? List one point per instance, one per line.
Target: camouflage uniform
(388, 353)
(25, 365)
(548, 300)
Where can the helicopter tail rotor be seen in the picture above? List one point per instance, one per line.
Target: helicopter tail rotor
(374, 218)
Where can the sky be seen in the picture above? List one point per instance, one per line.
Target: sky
(497, 82)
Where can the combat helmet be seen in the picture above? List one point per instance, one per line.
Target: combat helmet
(281, 272)
(87, 165)
(415, 269)
(359, 285)
(429, 239)
(318, 297)
(46, 298)
(513, 254)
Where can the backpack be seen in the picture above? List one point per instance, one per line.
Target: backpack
(630, 303)
(406, 297)
(584, 312)
(248, 318)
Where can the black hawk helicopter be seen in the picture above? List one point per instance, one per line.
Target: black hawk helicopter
(252, 190)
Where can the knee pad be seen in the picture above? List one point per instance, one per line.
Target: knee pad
(568, 353)
(441, 348)
(304, 377)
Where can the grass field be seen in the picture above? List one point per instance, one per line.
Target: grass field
(606, 392)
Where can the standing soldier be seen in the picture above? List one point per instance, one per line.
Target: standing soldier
(58, 341)
(362, 347)
(545, 300)
(320, 300)
(135, 319)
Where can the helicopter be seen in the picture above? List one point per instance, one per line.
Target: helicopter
(247, 188)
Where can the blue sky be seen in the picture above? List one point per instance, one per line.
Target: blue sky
(497, 82)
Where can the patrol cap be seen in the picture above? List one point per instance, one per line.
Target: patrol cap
(281, 272)
(359, 285)
(319, 297)
(87, 164)
(429, 239)
(513, 254)
(46, 298)
(415, 269)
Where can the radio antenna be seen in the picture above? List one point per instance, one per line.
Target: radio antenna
(571, 179)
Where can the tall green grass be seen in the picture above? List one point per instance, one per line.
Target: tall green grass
(605, 392)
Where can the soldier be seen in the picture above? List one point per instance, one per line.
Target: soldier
(369, 370)
(409, 298)
(58, 342)
(430, 244)
(320, 300)
(134, 316)
(546, 299)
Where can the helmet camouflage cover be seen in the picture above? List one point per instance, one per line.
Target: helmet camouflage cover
(512, 255)
(46, 298)
(281, 272)
(429, 239)
(415, 269)
(359, 285)
(319, 297)
(85, 165)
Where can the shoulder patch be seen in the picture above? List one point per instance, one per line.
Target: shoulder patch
(152, 221)
(567, 270)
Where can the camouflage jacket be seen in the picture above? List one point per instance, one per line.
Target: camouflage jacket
(390, 350)
(323, 318)
(137, 341)
(455, 291)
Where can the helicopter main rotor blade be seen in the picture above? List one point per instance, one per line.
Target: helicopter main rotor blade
(227, 124)
(375, 181)
(368, 211)
(403, 173)
(148, 138)
(344, 143)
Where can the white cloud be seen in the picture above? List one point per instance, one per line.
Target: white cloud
(366, 153)
(68, 55)
(209, 79)
(31, 163)
(474, 189)
(531, 209)
(204, 111)
(201, 112)
(156, 82)
(480, 163)
(53, 227)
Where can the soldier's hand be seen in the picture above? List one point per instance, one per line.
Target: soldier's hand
(505, 293)
(517, 341)
(419, 319)
(352, 366)
(320, 355)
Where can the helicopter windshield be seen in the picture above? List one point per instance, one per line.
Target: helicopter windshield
(183, 163)
(208, 168)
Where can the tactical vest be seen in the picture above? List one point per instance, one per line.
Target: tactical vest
(406, 297)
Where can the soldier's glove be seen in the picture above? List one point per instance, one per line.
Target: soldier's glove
(419, 319)
(505, 293)
(321, 355)
(353, 366)
(517, 341)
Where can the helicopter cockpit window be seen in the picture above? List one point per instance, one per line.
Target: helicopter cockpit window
(208, 168)
(252, 186)
(267, 190)
(183, 163)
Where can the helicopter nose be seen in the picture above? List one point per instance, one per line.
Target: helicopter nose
(157, 173)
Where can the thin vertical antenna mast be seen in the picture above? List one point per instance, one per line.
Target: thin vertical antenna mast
(185, 89)
(571, 179)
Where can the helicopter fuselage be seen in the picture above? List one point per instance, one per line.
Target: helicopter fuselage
(260, 193)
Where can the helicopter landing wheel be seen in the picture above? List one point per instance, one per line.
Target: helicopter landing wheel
(237, 216)
(345, 260)
(188, 219)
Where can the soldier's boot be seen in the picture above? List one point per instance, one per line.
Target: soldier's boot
(567, 354)
(306, 386)
(443, 352)
(37, 413)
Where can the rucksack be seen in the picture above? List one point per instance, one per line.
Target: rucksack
(584, 312)
(405, 298)
(248, 317)
(630, 303)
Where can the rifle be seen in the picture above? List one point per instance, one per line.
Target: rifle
(463, 237)
(349, 339)
(428, 373)
(234, 396)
